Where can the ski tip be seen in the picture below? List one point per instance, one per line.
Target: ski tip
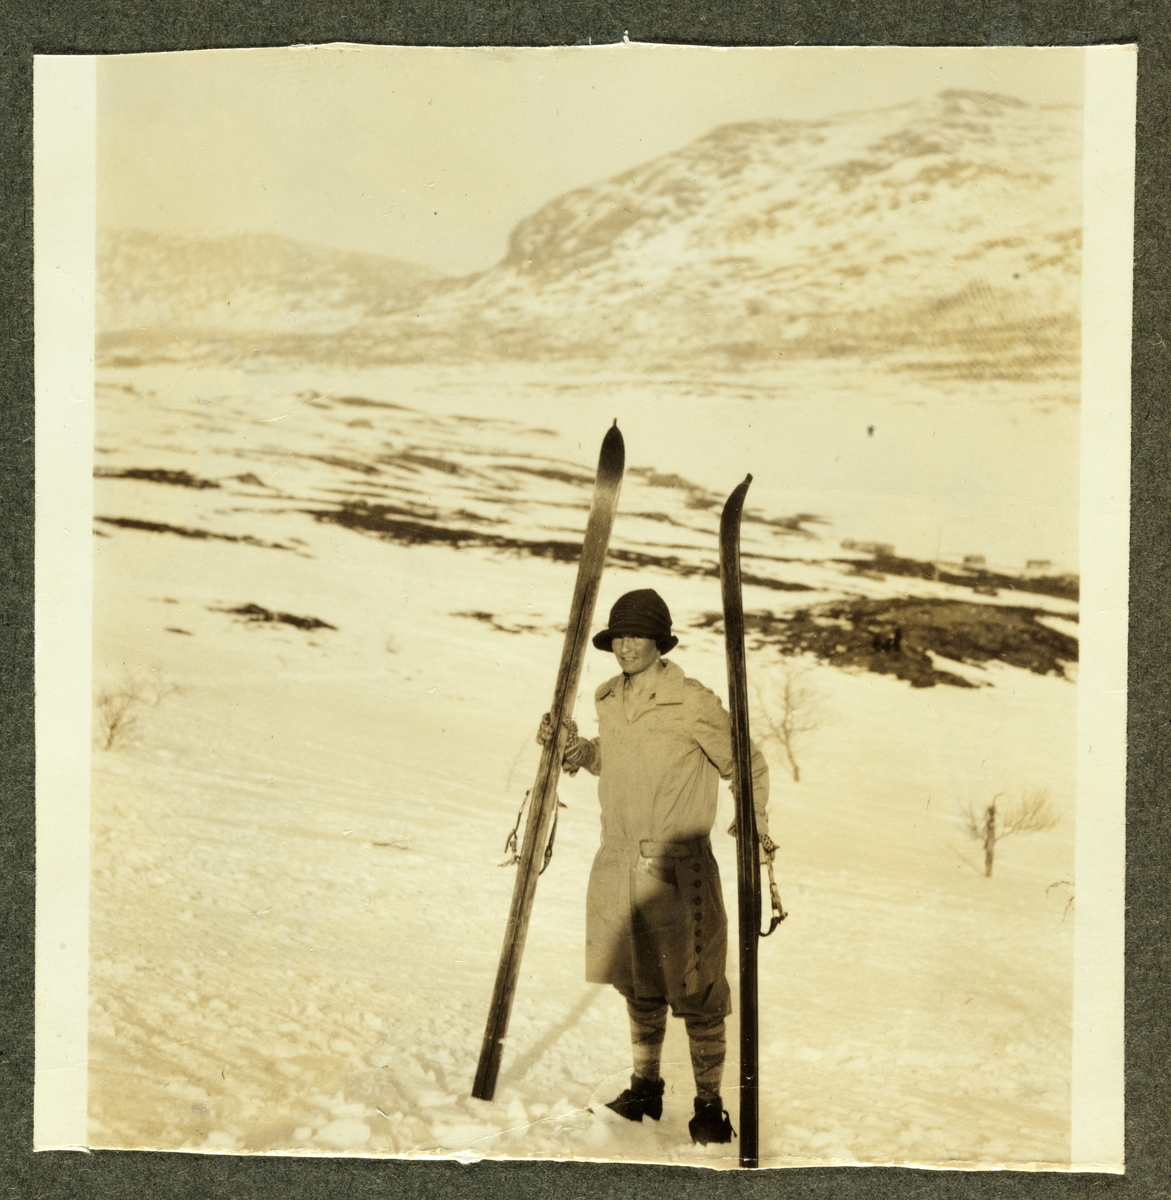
(733, 506)
(613, 445)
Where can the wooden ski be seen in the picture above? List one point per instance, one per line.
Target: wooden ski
(747, 850)
(543, 799)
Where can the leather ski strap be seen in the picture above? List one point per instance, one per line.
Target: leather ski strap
(778, 908)
(510, 846)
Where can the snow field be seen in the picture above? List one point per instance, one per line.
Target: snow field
(297, 908)
(296, 905)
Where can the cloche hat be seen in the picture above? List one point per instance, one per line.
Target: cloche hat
(642, 613)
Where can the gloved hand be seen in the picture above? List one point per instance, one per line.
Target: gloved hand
(545, 731)
(768, 847)
(574, 756)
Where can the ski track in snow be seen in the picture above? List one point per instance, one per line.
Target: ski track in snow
(296, 902)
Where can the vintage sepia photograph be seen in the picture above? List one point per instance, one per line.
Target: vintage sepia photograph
(554, 510)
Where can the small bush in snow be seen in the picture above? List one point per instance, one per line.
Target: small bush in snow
(793, 712)
(1032, 812)
(120, 705)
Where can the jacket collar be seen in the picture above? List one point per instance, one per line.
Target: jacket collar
(668, 689)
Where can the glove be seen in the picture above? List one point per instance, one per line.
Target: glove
(545, 732)
(768, 847)
(572, 760)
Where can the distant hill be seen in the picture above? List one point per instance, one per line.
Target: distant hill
(940, 237)
(160, 291)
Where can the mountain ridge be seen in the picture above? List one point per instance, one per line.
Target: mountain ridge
(248, 281)
(938, 237)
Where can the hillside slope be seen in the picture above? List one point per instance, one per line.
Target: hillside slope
(155, 289)
(940, 237)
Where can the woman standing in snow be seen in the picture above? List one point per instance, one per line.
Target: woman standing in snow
(655, 922)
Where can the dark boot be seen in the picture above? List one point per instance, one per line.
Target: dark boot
(642, 1098)
(711, 1122)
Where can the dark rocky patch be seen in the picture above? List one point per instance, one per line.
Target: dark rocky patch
(1066, 587)
(398, 525)
(699, 498)
(156, 475)
(349, 464)
(362, 402)
(893, 637)
(794, 524)
(776, 585)
(414, 528)
(656, 516)
(185, 531)
(696, 496)
(258, 614)
(466, 419)
(467, 515)
(408, 528)
(494, 622)
(636, 559)
(414, 459)
(477, 615)
(550, 473)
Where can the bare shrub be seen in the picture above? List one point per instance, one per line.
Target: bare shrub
(794, 713)
(119, 706)
(118, 711)
(1031, 812)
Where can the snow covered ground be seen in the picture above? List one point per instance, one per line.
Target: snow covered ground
(297, 904)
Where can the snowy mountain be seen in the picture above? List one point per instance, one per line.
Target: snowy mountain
(155, 291)
(940, 236)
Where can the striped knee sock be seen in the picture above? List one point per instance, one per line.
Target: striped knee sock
(648, 1027)
(706, 1036)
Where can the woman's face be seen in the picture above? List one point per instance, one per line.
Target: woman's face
(634, 654)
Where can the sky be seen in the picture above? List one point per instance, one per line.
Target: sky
(432, 155)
